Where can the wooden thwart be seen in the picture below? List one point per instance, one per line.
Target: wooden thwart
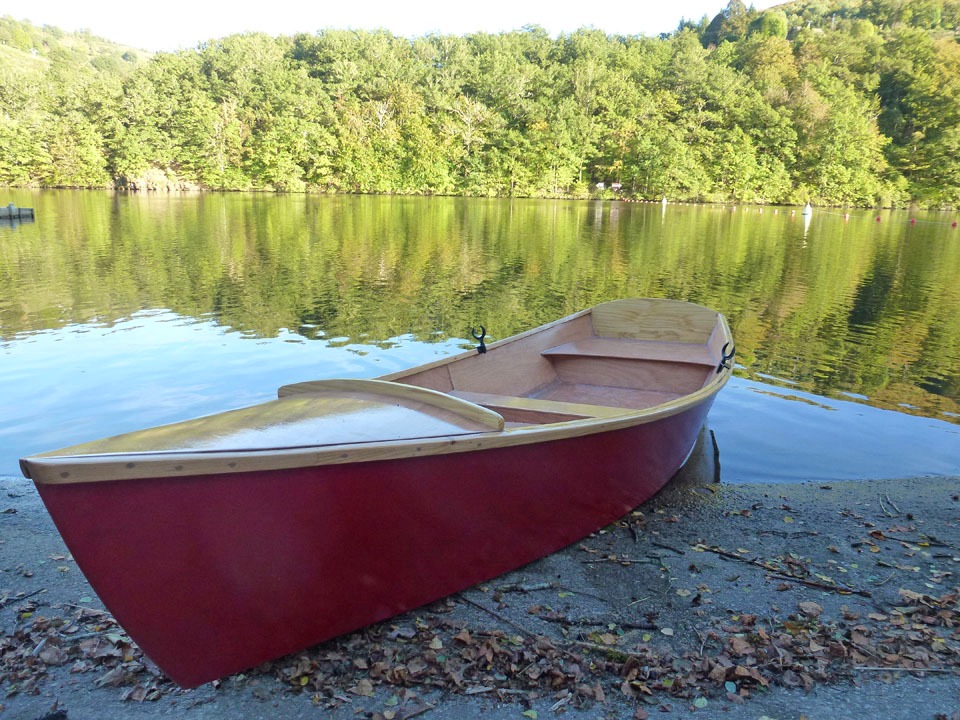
(697, 354)
(547, 407)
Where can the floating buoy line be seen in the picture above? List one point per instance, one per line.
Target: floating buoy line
(911, 221)
(806, 212)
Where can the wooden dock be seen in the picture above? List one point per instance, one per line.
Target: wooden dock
(12, 212)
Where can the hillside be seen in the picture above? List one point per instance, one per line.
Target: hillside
(25, 47)
(846, 102)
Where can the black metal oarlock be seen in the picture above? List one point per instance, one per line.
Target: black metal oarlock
(482, 348)
(727, 357)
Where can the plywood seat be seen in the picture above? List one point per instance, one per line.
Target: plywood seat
(651, 365)
(517, 408)
(613, 397)
(654, 350)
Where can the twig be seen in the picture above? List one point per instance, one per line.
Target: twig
(92, 611)
(583, 622)
(783, 576)
(933, 542)
(749, 561)
(885, 511)
(889, 577)
(785, 534)
(892, 504)
(515, 626)
(83, 636)
(614, 652)
(822, 586)
(667, 547)
(619, 561)
(703, 641)
(418, 711)
(585, 594)
(498, 616)
(909, 670)
(519, 587)
(10, 601)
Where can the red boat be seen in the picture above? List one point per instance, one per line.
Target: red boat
(229, 540)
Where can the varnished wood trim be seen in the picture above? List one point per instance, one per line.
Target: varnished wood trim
(413, 393)
(93, 468)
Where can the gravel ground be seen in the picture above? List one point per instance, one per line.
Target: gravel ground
(857, 580)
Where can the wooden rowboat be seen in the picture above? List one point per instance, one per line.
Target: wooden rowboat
(225, 541)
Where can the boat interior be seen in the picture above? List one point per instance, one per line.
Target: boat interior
(618, 358)
(613, 360)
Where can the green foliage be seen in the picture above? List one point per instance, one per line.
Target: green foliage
(770, 23)
(833, 101)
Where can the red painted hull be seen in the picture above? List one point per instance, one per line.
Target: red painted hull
(211, 575)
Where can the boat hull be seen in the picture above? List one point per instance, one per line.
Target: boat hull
(211, 575)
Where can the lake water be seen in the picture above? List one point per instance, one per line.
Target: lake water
(125, 311)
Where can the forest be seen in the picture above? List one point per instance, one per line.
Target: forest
(834, 102)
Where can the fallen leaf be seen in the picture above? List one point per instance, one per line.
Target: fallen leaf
(363, 687)
(114, 678)
(403, 631)
(53, 655)
(464, 637)
(810, 609)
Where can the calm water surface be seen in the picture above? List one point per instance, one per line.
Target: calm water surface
(119, 312)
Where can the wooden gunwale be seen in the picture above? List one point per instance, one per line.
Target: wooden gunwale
(130, 466)
(174, 464)
(444, 401)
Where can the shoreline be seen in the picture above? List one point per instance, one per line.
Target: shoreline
(731, 601)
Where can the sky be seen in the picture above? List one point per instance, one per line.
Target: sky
(182, 24)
